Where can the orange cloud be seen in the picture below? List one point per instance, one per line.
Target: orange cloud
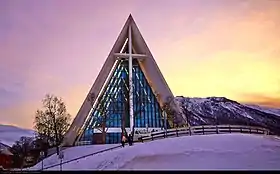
(262, 100)
(22, 115)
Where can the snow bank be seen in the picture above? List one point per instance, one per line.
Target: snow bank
(223, 151)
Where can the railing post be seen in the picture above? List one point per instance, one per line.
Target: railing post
(190, 131)
(152, 137)
(241, 129)
(217, 131)
(177, 132)
(203, 130)
(60, 164)
(250, 130)
(229, 129)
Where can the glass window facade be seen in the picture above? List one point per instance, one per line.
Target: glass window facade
(113, 138)
(112, 109)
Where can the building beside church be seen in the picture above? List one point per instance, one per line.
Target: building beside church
(128, 95)
(5, 156)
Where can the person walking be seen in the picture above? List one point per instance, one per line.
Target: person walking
(130, 140)
(123, 140)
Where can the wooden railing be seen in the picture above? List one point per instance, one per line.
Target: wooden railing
(203, 130)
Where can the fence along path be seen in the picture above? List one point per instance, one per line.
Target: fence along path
(176, 132)
(204, 130)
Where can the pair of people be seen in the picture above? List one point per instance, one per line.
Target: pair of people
(128, 139)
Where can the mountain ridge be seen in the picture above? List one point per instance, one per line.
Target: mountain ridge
(9, 134)
(221, 110)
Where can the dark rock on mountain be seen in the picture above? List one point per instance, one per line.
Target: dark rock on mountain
(220, 110)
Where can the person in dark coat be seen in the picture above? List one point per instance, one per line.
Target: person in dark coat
(130, 139)
(126, 136)
(123, 140)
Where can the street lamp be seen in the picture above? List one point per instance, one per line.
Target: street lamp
(42, 156)
(61, 156)
(165, 121)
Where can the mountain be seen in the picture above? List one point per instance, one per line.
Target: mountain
(220, 110)
(198, 111)
(10, 134)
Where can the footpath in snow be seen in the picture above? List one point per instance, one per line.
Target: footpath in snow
(200, 152)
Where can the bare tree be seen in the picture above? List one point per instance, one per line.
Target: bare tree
(105, 116)
(103, 119)
(52, 121)
(137, 114)
(108, 116)
(172, 115)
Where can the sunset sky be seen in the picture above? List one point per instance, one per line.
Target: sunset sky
(204, 48)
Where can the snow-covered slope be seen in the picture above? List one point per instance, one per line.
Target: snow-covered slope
(220, 110)
(265, 109)
(222, 151)
(10, 134)
(73, 152)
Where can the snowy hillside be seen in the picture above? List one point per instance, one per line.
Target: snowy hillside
(265, 109)
(10, 134)
(220, 110)
(222, 151)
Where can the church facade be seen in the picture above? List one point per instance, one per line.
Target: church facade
(127, 96)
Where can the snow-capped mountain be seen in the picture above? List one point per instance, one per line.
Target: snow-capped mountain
(220, 110)
(10, 134)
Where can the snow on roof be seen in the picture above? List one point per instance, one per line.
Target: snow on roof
(223, 151)
(5, 151)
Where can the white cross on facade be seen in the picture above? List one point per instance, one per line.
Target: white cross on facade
(130, 56)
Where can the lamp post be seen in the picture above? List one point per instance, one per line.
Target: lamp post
(42, 156)
(165, 122)
(61, 156)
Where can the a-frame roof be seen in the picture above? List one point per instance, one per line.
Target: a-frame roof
(148, 66)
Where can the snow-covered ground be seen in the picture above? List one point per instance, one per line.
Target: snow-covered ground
(223, 151)
(10, 134)
(71, 153)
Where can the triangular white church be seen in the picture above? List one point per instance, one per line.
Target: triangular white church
(127, 95)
